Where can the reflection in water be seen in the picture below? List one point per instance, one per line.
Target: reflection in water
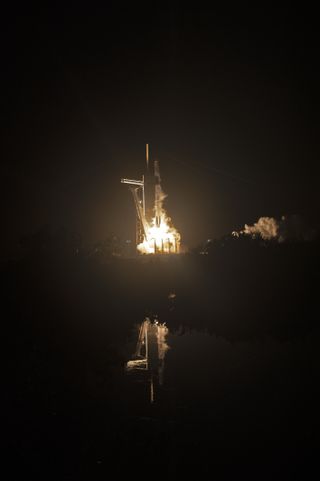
(162, 332)
(222, 399)
(150, 353)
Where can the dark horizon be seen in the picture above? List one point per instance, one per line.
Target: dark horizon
(227, 101)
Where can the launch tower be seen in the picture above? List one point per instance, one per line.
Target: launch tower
(153, 232)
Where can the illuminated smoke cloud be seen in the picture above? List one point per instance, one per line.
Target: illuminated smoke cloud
(290, 228)
(266, 227)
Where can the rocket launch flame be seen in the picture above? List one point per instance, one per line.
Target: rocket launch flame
(162, 238)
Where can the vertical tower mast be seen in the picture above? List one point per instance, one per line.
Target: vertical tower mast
(147, 156)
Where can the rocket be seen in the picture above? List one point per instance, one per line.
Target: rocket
(152, 190)
(158, 195)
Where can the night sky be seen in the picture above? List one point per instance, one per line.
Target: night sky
(227, 100)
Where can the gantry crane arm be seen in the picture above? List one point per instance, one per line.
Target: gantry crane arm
(133, 182)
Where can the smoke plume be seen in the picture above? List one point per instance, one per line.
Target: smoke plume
(290, 228)
(266, 227)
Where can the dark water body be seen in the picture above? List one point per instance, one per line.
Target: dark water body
(240, 389)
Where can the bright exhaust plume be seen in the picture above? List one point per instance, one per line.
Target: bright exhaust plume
(162, 238)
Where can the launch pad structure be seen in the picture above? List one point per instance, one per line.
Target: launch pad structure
(152, 231)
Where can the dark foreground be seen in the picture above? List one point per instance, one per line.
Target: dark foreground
(240, 394)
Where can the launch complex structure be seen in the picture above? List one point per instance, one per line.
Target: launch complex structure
(154, 231)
